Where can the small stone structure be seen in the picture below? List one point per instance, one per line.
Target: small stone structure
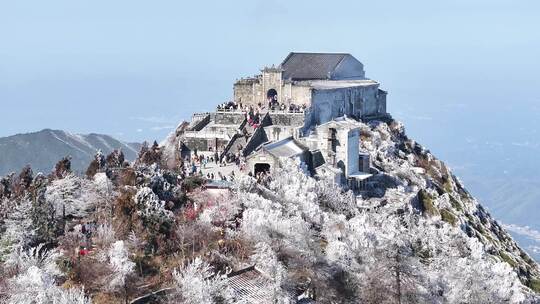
(269, 155)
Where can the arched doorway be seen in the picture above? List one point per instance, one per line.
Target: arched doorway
(271, 97)
(341, 166)
(261, 168)
(271, 94)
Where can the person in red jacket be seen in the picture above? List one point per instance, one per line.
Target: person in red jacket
(83, 251)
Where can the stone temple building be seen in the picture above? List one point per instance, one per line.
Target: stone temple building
(306, 109)
(329, 84)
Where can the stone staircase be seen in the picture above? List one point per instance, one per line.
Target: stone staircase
(259, 136)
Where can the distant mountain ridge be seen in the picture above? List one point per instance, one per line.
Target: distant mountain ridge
(44, 148)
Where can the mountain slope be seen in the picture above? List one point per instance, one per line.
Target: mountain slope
(442, 197)
(413, 199)
(416, 235)
(44, 148)
(515, 202)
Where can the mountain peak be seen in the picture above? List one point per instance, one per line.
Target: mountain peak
(19, 150)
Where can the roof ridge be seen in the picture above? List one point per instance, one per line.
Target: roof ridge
(307, 65)
(338, 63)
(321, 53)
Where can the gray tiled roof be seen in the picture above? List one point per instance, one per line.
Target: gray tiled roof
(287, 147)
(302, 66)
(250, 286)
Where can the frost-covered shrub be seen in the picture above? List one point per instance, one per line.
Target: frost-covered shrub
(74, 196)
(23, 259)
(151, 208)
(115, 159)
(263, 221)
(44, 218)
(37, 286)
(62, 167)
(105, 235)
(18, 232)
(219, 211)
(121, 265)
(34, 282)
(102, 184)
(198, 283)
(265, 260)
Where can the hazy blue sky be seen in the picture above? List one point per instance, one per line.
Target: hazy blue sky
(133, 69)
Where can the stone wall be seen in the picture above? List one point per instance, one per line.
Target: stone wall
(204, 144)
(229, 118)
(252, 92)
(371, 103)
(287, 119)
(297, 94)
(271, 79)
(243, 92)
(381, 97)
(199, 144)
(355, 101)
(276, 133)
(200, 122)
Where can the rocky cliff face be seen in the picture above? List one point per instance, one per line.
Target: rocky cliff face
(429, 188)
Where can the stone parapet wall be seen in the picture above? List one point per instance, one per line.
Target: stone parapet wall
(204, 144)
(229, 118)
(200, 121)
(287, 119)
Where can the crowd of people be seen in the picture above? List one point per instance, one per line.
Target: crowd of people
(229, 106)
(272, 105)
(262, 177)
(209, 166)
(253, 117)
(218, 167)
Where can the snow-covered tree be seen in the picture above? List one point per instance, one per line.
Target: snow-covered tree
(265, 260)
(96, 165)
(62, 167)
(115, 159)
(198, 283)
(151, 208)
(34, 282)
(44, 217)
(22, 259)
(37, 286)
(120, 264)
(73, 196)
(103, 184)
(19, 231)
(105, 235)
(121, 267)
(26, 177)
